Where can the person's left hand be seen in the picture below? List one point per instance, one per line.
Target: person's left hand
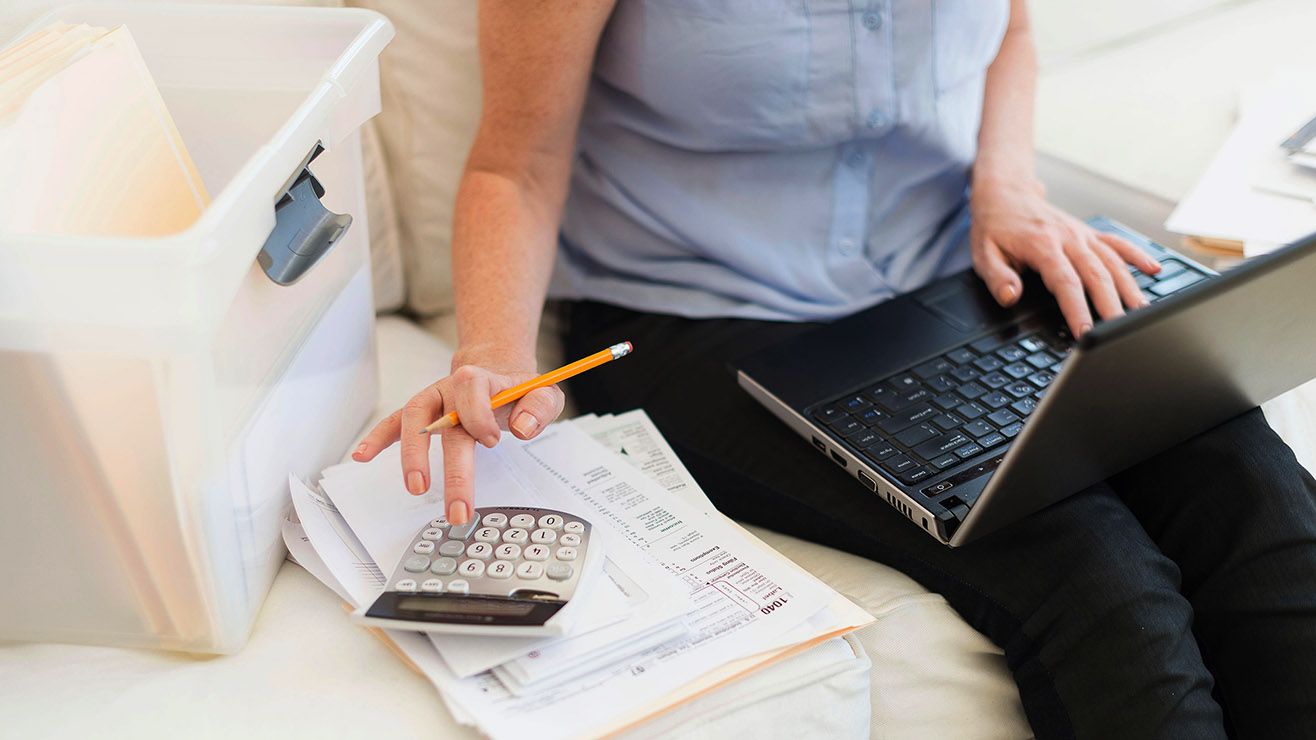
(1015, 228)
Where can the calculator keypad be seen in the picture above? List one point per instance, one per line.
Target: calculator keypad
(501, 551)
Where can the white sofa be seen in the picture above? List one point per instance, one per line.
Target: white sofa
(307, 672)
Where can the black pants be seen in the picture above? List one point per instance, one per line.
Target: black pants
(1177, 599)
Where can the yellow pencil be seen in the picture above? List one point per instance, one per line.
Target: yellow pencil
(517, 392)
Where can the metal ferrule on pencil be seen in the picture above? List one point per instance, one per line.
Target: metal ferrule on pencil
(620, 350)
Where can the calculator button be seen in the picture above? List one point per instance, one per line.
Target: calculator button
(570, 540)
(524, 521)
(530, 571)
(543, 536)
(432, 586)
(537, 552)
(507, 552)
(550, 521)
(416, 564)
(495, 520)
(471, 568)
(574, 528)
(488, 534)
(462, 531)
(406, 584)
(443, 566)
(452, 548)
(459, 587)
(515, 536)
(559, 571)
(424, 547)
(440, 523)
(566, 553)
(501, 569)
(479, 550)
(433, 533)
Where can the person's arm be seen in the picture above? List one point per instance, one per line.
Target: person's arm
(535, 60)
(1014, 227)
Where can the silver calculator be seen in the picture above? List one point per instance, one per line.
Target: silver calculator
(509, 571)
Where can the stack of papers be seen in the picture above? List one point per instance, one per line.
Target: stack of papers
(87, 146)
(1253, 197)
(687, 601)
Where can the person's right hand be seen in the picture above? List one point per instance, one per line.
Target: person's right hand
(467, 391)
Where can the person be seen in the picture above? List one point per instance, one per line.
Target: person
(704, 178)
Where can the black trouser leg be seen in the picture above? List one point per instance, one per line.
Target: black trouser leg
(1237, 512)
(1085, 602)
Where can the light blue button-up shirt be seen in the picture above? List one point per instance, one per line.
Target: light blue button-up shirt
(776, 159)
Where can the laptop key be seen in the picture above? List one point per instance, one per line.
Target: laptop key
(829, 414)
(917, 435)
(994, 380)
(903, 383)
(947, 401)
(1012, 430)
(965, 374)
(865, 439)
(1002, 417)
(996, 399)
(1024, 406)
(991, 440)
(969, 450)
(1010, 353)
(871, 416)
(947, 422)
(1018, 370)
(915, 475)
(978, 428)
(1144, 281)
(855, 403)
(939, 446)
(1169, 268)
(907, 418)
(988, 363)
(933, 368)
(898, 464)
(1032, 344)
(851, 431)
(1020, 389)
(880, 451)
(971, 410)
(940, 384)
(971, 391)
(960, 356)
(1042, 379)
(1040, 360)
(880, 393)
(945, 461)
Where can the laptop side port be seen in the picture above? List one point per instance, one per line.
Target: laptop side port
(837, 457)
(867, 481)
(819, 444)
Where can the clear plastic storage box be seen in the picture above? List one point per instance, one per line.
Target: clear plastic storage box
(156, 393)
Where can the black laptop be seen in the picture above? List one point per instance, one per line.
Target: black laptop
(966, 416)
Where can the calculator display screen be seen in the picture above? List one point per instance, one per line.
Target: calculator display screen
(457, 605)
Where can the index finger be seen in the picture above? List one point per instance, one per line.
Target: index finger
(458, 475)
(1059, 277)
(422, 409)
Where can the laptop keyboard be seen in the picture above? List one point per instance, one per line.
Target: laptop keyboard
(965, 406)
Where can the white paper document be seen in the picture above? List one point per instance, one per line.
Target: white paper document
(714, 600)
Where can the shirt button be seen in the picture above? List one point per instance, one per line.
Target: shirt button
(845, 247)
(876, 119)
(872, 21)
(854, 159)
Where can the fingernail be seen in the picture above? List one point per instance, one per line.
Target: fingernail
(361, 450)
(1084, 329)
(525, 424)
(490, 441)
(458, 513)
(416, 482)
(1008, 293)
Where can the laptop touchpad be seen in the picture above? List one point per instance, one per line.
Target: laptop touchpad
(964, 303)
